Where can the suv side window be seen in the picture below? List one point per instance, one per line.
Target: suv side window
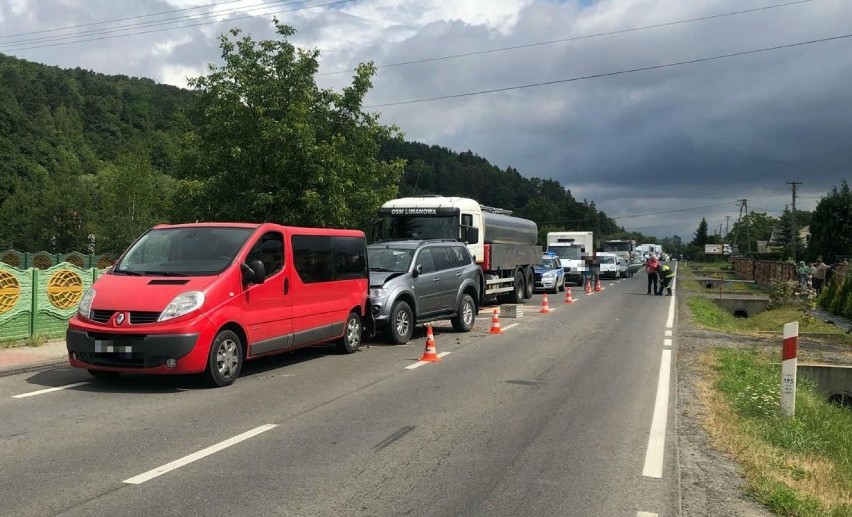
(425, 260)
(442, 258)
(459, 255)
(269, 249)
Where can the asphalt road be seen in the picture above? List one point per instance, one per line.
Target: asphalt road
(552, 417)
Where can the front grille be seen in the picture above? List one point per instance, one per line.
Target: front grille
(142, 317)
(101, 316)
(538, 277)
(136, 317)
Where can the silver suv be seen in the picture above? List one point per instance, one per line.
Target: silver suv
(415, 282)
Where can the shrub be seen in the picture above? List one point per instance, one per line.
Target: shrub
(827, 296)
(839, 301)
(782, 293)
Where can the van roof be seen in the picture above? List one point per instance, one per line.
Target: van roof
(294, 230)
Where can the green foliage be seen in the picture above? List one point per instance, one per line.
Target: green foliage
(838, 303)
(782, 293)
(753, 227)
(268, 145)
(701, 237)
(830, 226)
(828, 295)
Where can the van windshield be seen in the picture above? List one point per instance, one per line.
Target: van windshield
(389, 259)
(192, 251)
(566, 252)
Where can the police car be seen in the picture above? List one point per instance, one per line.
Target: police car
(549, 275)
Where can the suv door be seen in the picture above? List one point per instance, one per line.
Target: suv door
(450, 272)
(427, 286)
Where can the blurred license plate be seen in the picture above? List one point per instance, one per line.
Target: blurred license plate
(107, 346)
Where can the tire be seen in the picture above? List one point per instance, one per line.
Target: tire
(466, 315)
(401, 323)
(352, 333)
(520, 289)
(562, 285)
(225, 360)
(104, 375)
(529, 284)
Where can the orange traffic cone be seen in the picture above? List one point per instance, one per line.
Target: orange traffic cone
(430, 354)
(568, 297)
(598, 284)
(588, 286)
(495, 324)
(545, 306)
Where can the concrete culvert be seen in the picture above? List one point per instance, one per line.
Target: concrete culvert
(841, 399)
(740, 313)
(708, 285)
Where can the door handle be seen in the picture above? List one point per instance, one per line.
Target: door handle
(436, 279)
(459, 273)
(286, 286)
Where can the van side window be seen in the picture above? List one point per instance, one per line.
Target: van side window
(313, 258)
(350, 258)
(425, 260)
(269, 249)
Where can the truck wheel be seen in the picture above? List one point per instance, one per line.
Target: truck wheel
(225, 360)
(466, 316)
(401, 323)
(351, 339)
(520, 290)
(529, 284)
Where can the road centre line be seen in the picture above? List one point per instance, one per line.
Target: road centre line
(418, 364)
(49, 390)
(646, 514)
(667, 342)
(657, 438)
(668, 333)
(168, 467)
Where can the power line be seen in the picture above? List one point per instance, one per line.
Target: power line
(575, 38)
(329, 4)
(673, 211)
(104, 22)
(610, 74)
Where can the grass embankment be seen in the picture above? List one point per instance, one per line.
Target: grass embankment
(798, 466)
(715, 270)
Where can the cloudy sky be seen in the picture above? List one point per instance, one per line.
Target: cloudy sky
(658, 148)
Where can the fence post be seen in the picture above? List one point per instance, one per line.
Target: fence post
(789, 362)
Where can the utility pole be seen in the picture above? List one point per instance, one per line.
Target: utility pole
(727, 224)
(795, 236)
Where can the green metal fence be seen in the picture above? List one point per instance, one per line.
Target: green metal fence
(45, 260)
(39, 302)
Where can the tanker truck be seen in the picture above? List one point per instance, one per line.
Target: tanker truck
(503, 246)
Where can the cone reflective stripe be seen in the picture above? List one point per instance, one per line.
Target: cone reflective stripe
(545, 306)
(588, 286)
(495, 324)
(598, 284)
(789, 363)
(430, 354)
(568, 297)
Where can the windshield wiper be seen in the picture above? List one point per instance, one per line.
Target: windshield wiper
(384, 270)
(126, 272)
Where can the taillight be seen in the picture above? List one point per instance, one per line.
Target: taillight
(486, 260)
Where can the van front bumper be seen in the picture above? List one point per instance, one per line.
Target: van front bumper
(141, 353)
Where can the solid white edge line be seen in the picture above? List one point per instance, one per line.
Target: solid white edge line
(670, 319)
(168, 467)
(657, 438)
(421, 363)
(667, 342)
(48, 390)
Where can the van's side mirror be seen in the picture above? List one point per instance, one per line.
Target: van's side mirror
(253, 273)
(472, 235)
(418, 270)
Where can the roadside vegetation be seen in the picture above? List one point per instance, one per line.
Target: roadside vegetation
(798, 466)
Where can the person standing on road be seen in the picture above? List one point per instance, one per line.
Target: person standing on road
(652, 267)
(666, 278)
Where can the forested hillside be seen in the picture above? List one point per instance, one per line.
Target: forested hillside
(89, 161)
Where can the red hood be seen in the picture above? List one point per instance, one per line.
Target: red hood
(138, 293)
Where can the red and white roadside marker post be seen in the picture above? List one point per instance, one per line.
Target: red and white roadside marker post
(788, 368)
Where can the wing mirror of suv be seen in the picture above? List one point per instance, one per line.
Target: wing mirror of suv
(418, 270)
(472, 235)
(253, 273)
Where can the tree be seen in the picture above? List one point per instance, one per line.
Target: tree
(831, 225)
(701, 234)
(753, 227)
(269, 145)
(784, 234)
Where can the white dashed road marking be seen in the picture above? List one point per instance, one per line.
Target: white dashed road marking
(49, 390)
(421, 363)
(657, 439)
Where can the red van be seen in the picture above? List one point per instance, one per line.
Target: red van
(195, 298)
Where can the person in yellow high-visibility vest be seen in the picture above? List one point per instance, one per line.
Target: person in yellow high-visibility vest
(667, 275)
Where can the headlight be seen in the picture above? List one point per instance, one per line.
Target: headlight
(85, 307)
(183, 304)
(550, 273)
(378, 293)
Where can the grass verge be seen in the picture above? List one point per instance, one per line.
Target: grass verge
(798, 466)
(709, 315)
(32, 341)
